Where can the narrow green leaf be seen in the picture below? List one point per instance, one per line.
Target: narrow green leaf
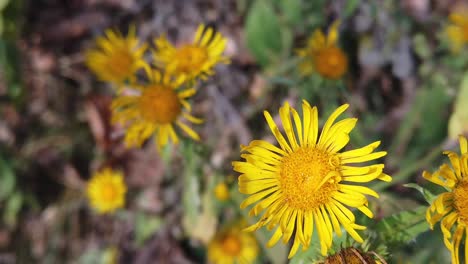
(458, 123)
(428, 196)
(12, 208)
(403, 227)
(7, 180)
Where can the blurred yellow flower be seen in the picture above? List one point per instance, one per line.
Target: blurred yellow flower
(457, 30)
(221, 191)
(307, 179)
(451, 207)
(117, 58)
(192, 60)
(155, 109)
(231, 245)
(323, 56)
(106, 191)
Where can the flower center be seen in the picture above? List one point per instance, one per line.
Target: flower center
(108, 192)
(120, 62)
(160, 105)
(350, 256)
(461, 201)
(308, 177)
(331, 62)
(191, 58)
(232, 245)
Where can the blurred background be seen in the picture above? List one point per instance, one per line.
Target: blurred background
(403, 81)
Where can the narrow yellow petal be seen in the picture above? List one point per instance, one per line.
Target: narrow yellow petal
(274, 129)
(463, 144)
(287, 125)
(188, 131)
(330, 121)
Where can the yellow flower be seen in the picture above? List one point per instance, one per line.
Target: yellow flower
(106, 191)
(117, 58)
(307, 180)
(323, 55)
(231, 245)
(192, 60)
(457, 31)
(221, 191)
(451, 207)
(155, 109)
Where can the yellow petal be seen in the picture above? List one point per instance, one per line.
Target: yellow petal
(274, 129)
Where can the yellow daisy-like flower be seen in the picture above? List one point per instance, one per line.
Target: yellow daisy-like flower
(106, 191)
(451, 208)
(117, 58)
(457, 31)
(192, 60)
(155, 109)
(323, 56)
(231, 245)
(306, 180)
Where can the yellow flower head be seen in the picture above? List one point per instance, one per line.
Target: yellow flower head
(117, 58)
(221, 191)
(192, 60)
(306, 180)
(155, 109)
(106, 191)
(231, 245)
(457, 30)
(323, 55)
(451, 208)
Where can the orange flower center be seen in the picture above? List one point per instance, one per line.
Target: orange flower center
(331, 62)
(460, 194)
(232, 245)
(191, 58)
(308, 177)
(108, 192)
(465, 32)
(120, 62)
(160, 105)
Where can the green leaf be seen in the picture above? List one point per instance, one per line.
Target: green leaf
(12, 208)
(402, 227)
(350, 7)
(263, 34)
(292, 11)
(3, 4)
(428, 196)
(421, 46)
(145, 226)
(458, 123)
(7, 180)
